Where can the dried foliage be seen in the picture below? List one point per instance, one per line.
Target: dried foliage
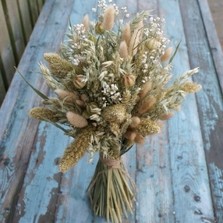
(112, 76)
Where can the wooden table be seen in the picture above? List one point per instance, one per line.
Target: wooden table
(178, 173)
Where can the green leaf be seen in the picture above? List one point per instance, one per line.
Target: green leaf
(175, 52)
(60, 127)
(36, 90)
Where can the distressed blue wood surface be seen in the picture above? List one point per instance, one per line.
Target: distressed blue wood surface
(17, 131)
(170, 169)
(203, 51)
(191, 192)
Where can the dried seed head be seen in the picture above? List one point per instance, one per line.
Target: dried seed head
(135, 121)
(115, 113)
(109, 18)
(139, 139)
(123, 50)
(153, 44)
(146, 104)
(76, 120)
(191, 87)
(44, 114)
(126, 34)
(86, 22)
(98, 28)
(115, 129)
(66, 95)
(145, 89)
(147, 127)
(76, 149)
(135, 39)
(129, 80)
(58, 66)
(79, 81)
(84, 98)
(166, 116)
(130, 135)
(167, 54)
(80, 103)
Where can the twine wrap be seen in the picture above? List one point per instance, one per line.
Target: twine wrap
(111, 188)
(111, 163)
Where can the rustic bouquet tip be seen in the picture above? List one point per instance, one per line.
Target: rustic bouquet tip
(111, 80)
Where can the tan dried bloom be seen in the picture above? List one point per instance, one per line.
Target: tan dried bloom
(66, 95)
(139, 139)
(129, 80)
(76, 120)
(115, 113)
(44, 114)
(191, 87)
(135, 39)
(130, 135)
(76, 149)
(147, 127)
(123, 50)
(153, 44)
(58, 66)
(126, 34)
(145, 89)
(167, 54)
(80, 103)
(146, 104)
(79, 81)
(86, 22)
(115, 128)
(109, 18)
(166, 116)
(134, 122)
(84, 98)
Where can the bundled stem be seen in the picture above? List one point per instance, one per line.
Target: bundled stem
(111, 190)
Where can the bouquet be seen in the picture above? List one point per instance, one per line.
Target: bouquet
(112, 81)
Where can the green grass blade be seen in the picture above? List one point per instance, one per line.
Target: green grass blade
(175, 52)
(34, 89)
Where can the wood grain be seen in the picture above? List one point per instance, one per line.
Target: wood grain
(33, 7)
(6, 51)
(209, 100)
(188, 167)
(170, 170)
(17, 151)
(14, 27)
(25, 19)
(2, 88)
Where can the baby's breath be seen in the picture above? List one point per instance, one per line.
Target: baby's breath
(106, 76)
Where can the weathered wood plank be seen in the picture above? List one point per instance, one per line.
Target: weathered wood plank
(153, 180)
(14, 27)
(33, 7)
(2, 89)
(209, 100)
(6, 51)
(39, 5)
(42, 177)
(213, 40)
(191, 192)
(25, 18)
(16, 145)
(216, 7)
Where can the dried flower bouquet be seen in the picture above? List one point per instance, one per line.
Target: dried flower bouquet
(111, 81)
